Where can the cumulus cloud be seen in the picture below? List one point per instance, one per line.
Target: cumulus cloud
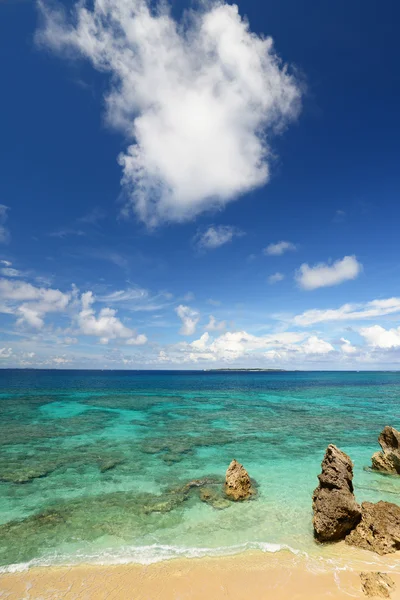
(106, 325)
(5, 353)
(315, 345)
(214, 325)
(349, 312)
(31, 303)
(279, 248)
(379, 337)
(241, 345)
(347, 347)
(189, 318)
(216, 236)
(4, 233)
(198, 101)
(323, 275)
(275, 278)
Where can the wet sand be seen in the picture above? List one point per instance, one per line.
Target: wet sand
(253, 575)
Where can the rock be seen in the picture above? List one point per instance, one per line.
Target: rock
(214, 498)
(379, 528)
(237, 482)
(336, 511)
(109, 464)
(377, 585)
(388, 459)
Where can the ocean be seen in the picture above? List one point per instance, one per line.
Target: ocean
(94, 465)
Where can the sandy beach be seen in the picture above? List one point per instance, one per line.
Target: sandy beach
(252, 575)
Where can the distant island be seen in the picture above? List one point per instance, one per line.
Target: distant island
(251, 370)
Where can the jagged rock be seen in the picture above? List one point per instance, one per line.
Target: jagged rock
(388, 459)
(237, 482)
(377, 585)
(379, 528)
(336, 511)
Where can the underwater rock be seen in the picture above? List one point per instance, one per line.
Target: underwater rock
(163, 504)
(237, 482)
(336, 511)
(388, 459)
(379, 528)
(109, 464)
(377, 585)
(214, 498)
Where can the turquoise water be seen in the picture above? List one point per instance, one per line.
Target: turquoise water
(94, 465)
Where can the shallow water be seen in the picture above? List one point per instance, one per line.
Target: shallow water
(93, 465)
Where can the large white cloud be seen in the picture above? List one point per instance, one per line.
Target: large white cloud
(106, 325)
(31, 303)
(243, 346)
(349, 312)
(198, 102)
(323, 275)
(379, 337)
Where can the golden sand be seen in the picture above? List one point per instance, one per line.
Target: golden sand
(247, 576)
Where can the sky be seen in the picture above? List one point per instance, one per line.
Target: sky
(200, 185)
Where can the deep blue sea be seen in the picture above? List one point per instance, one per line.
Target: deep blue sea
(94, 465)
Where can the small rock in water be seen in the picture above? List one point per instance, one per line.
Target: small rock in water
(237, 482)
(336, 511)
(379, 528)
(377, 585)
(388, 459)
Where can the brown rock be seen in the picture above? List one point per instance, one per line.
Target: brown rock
(377, 585)
(379, 528)
(388, 459)
(336, 511)
(237, 482)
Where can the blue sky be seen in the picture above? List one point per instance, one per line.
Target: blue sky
(177, 191)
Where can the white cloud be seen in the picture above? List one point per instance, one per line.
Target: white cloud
(314, 345)
(349, 312)
(347, 347)
(30, 316)
(243, 346)
(60, 360)
(216, 236)
(137, 299)
(10, 272)
(6, 263)
(189, 318)
(199, 104)
(4, 233)
(279, 248)
(214, 325)
(379, 337)
(322, 274)
(127, 295)
(106, 325)
(36, 301)
(5, 353)
(275, 278)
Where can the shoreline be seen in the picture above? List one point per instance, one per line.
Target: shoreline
(250, 574)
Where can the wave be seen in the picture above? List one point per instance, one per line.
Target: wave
(145, 555)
